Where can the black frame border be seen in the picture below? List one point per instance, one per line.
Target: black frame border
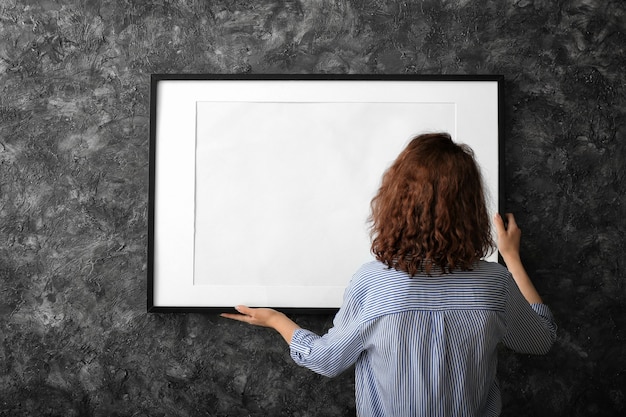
(154, 80)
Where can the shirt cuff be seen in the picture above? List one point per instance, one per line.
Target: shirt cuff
(544, 311)
(301, 342)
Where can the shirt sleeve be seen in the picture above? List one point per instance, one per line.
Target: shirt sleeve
(530, 327)
(334, 352)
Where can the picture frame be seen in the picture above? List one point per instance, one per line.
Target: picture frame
(260, 184)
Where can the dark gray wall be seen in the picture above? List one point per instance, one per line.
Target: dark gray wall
(75, 338)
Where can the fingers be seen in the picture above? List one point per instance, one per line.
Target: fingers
(244, 310)
(502, 227)
(510, 219)
(238, 317)
(244, 316)
(499, 222)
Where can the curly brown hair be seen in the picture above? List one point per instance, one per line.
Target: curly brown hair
(430, 210)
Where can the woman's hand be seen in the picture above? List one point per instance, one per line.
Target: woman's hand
(265, 317)
(508, 237)
(508, 244)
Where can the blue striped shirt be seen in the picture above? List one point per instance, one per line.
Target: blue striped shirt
(426, 346)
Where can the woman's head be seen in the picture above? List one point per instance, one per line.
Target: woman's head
(430, 209)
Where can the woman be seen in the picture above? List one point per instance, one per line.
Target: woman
(422, 322)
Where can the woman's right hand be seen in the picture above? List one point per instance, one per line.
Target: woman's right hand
(509, 236)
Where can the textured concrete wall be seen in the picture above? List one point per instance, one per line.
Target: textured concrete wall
(75, 338)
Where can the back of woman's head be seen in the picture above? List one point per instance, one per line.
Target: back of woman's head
(430, 209)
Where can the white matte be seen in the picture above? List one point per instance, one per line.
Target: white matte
(283, 189)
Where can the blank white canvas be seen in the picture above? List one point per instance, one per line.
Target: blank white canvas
(283, 189)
